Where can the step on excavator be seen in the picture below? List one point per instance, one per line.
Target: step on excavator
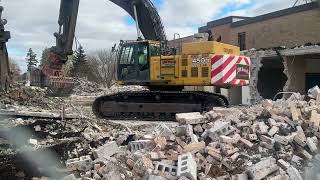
(149, 62)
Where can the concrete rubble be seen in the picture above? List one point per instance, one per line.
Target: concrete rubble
(264, 141)
(270, 140)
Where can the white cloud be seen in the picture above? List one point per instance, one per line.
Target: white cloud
(101, 23)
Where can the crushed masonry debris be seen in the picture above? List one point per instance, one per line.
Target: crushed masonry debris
(269, 140)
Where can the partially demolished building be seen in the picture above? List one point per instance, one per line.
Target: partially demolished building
(284, 47)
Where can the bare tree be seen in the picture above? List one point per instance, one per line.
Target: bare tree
(102, 67)
(14, 70)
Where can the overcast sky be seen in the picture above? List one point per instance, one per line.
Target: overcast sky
(101, 23)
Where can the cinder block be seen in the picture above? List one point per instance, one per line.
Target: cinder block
(163, 168)
(163, 130)
(253, 137)
(141, 145)
(184, 130)
(220, 128)
(83, 163)
(294, 173)
(246, 142)
(312, 145)
(106, 151)
(187, 166)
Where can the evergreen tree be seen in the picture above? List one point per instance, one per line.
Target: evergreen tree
(79, 62)
(31, 59)
(45, 57)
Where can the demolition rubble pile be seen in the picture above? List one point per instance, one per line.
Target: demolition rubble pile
(29, 97)
(271, 140)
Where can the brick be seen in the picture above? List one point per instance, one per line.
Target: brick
(295, 113)
(273, 131)
(83, 163)
(244, 124)
(246, 142)
(215, 153)
(226, 139)
(267, 139)
(165, 169)
(235, 156)
(141, 145)
(312, 145)
(263, 168)
(161, 142)
(163, 130)
(106, 151)
(294, 173)
(191, 118)
(211, 115)
(281, 139)
(228, 149)
(157, 156)
(194, 147)
(187, 166)
(280, 177)
(272, 122)
(194, 138)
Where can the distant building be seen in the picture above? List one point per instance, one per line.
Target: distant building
(290, 27)
(274, 69)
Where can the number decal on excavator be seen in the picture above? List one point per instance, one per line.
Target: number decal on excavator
(200, 61)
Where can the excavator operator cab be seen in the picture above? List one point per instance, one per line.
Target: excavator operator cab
(133, 61)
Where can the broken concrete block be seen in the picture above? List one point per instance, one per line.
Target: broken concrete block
(211, 115)
(160, 142)
(294, 173)
(263, 168)
(141, 144)
(235, 156)
(184, 130)
(198, 129)
(220, 128)
(244, 124)
(242, 176)
(33, 141)
(246, 142)
(253, 137)
(273, 131)
(191, 118)
(187, 166)
(163, 130)
(314, 92)
(194, 147)
(142, 165)
(312, 145)
(306, 154)
(262, 128)
(300, 138)
(280, 177)
(226, 139)
(69, 177)
(283, 164)
(166, 169)
(315, 118)
(267, 139)
(153, 177)
(106, 151)
(83, 163)
(281, 139)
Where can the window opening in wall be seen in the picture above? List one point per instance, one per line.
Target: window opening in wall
(242, 40)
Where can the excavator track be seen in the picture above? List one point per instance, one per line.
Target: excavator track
(155, 105)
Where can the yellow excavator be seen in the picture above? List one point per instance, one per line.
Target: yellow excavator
(153, 64)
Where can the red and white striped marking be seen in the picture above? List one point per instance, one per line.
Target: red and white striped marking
(224, 70)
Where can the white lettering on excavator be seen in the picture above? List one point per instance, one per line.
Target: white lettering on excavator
(200, 61)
